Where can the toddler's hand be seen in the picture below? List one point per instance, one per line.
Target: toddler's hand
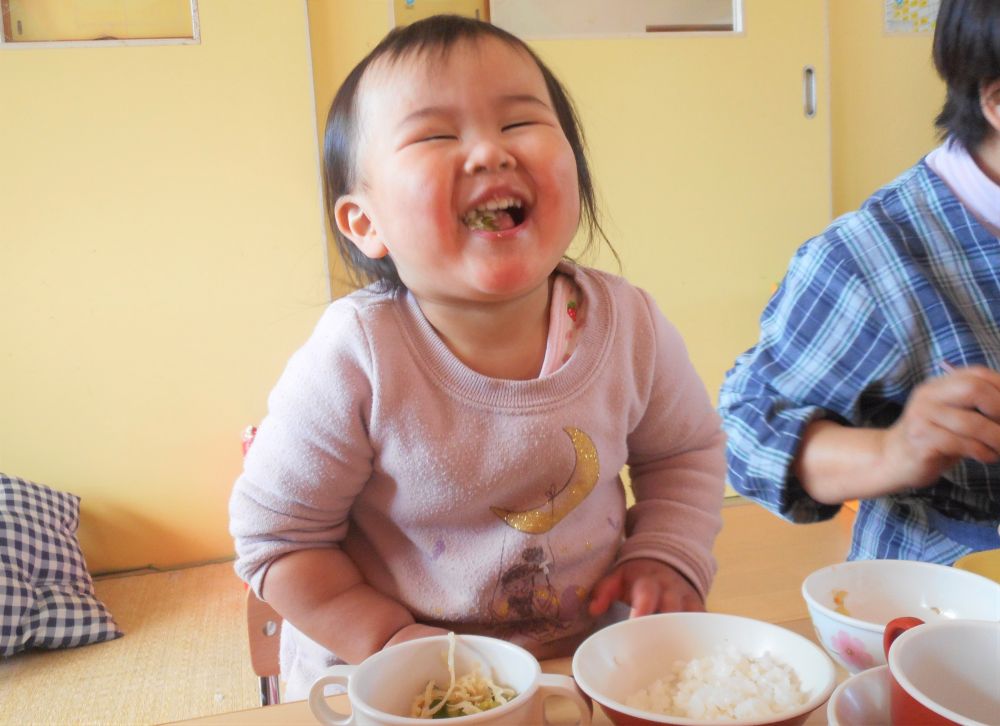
(649, 586)
(414, 631)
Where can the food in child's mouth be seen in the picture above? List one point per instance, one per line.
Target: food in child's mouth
(471, 693)
(482, 220)
(494, 216)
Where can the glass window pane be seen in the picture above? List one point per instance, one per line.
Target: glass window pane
(583, 18)
(27, 21)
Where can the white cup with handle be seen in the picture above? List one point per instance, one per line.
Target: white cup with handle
(382, 689)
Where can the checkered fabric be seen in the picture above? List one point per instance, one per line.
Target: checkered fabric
(47, 596)
(868, 310)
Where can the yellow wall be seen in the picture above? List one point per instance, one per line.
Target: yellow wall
(404, 13)
(885, 95)
(341, 33)
(162, 246)
(161, 255)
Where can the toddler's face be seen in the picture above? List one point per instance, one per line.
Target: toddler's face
(466, 177)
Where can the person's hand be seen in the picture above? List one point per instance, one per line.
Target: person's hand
(648, 586)
(947, 418)
(414, 631)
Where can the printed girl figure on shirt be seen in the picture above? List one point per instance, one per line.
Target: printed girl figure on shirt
(877, 373)
(444, 451)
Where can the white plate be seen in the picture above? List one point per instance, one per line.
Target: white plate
(861, 700)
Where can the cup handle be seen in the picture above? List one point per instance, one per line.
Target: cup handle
(552, 684)
(896, 627)
(334, 675)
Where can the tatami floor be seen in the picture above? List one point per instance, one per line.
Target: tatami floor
(184, 654)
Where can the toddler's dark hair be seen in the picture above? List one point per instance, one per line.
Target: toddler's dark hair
(439, 33)
(967, 57)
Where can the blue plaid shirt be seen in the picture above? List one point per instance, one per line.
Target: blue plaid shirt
(866, 312)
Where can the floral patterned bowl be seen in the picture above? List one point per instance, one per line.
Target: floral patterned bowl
(851, 602)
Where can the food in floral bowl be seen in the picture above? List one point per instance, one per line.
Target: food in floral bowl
(850, 603)
(703, 669)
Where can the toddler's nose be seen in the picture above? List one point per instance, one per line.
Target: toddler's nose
(488, 156)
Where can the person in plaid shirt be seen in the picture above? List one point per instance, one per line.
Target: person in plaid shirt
(876, 373)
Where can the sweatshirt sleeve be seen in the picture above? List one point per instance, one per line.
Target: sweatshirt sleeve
(824, 347)
(676, 464)
(311, 455)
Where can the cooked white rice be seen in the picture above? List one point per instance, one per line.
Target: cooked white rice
(726, 685)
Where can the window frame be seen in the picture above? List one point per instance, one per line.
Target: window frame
(5, 44)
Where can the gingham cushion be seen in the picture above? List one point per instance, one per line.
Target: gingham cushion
(47, 597)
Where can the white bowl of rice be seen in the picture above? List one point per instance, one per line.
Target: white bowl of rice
(703, 669)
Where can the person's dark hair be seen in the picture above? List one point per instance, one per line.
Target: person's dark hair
(439, 33)
(967, 57)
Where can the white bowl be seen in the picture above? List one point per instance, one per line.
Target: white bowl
(616, 662)
(851, 602)
(861, 700)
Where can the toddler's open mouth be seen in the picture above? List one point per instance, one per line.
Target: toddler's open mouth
(495, 215)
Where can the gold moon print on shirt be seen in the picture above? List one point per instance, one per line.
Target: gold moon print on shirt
(560, 503)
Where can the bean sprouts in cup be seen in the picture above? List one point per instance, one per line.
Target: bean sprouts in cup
(470, 693)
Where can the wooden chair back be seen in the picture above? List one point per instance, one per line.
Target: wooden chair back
(263, 629)
(264, 636)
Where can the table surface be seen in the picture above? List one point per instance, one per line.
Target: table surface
(762, 562)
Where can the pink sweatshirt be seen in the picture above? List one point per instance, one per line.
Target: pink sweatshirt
(483, 505)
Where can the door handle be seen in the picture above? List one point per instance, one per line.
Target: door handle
(809, 91)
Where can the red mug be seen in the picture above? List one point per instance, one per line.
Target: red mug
(905, 709)
(944, 672)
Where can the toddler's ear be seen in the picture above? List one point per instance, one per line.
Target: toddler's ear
(989, 101)
(355, 224)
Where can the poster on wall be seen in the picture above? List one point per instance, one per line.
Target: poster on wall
(910, 16)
